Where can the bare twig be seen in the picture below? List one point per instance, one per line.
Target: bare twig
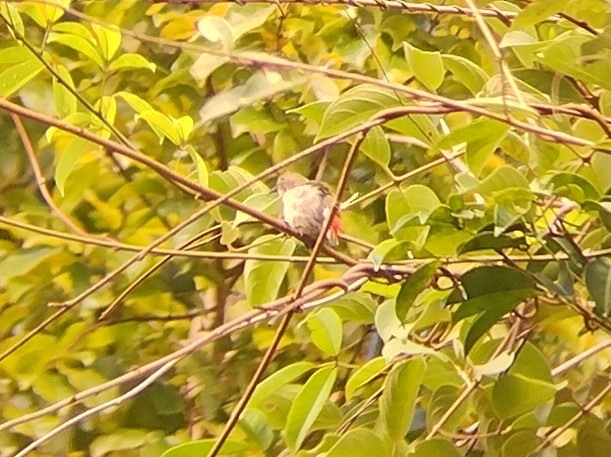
(40, 179)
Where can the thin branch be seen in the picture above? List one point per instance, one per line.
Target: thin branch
(505, 73)
(271, 350)
(272, 310)
(85, 103)
(551, 437)
(40, 179)
(274, 62)
(97, 409)
(571, 363)
(115, 245)
(407, 7)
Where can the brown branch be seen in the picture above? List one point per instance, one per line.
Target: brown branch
(115, 245)
(551, 437)
(271, 350)
(272, 310)
(40, 179)
(96, 112)
(273, 62)
(407, 7)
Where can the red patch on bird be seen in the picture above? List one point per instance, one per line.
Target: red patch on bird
(335, 229)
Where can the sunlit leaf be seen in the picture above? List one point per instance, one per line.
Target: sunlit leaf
(413, 285)
(307, 405)
(363, 375)
(278, 379)
(354, 107)
(199, 447)
(16, 76)
(427, 66)
(263, 278)
(376, 147)
(359, 442)
(398, 400)
(598, 281)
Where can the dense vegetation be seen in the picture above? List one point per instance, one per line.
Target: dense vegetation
(152, 302)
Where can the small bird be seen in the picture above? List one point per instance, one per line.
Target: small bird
(306, 206)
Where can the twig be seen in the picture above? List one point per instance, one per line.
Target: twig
(549, 439)
(40, 179)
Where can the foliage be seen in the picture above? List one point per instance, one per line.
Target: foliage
(144, 272)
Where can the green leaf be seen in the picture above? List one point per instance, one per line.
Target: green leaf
(435, 447)
(427, 66)
(593, 438)
(388, 251)
(491, 279)
(532, 363)
(307, 406)
(137, 104)
(440, 402)
(564, 55)
(412, 286)
(355, 307)
(46, 14)
(217, 30)
(503, 301)
(245, 18)
(162, 125)
(251, 120)
(537, 11)
(200, 166)
(483, 136)
(256, 427)
(491, 292)
(198, 448)
(414, 202)
(326, 331)
(313, 111)
(260, 86)
(468, 73)
(76, 148)
(12, 12)
(263, 278)
(131, 61)
(402, 346)
(573, 186)
(495, 366)
(78, 44)
(277, 380)
(440, 373)
(376, 147)
(65, 100)
(387, 323)
(521, 443)
(488, 241)
(500, 179)
(16, 76)
(514, 395)
(398, 401)
(266, 203)
(363, 375)
(603, 209)
(108, 38)
(598, 281)
(359, 442)
(14, 55)
(119, 440)
(354, 107)
(204, 66)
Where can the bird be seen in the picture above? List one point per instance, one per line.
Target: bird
(306, 206)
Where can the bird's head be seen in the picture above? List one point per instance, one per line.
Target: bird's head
(288, 181)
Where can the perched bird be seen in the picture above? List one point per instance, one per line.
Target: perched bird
(306, 206)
